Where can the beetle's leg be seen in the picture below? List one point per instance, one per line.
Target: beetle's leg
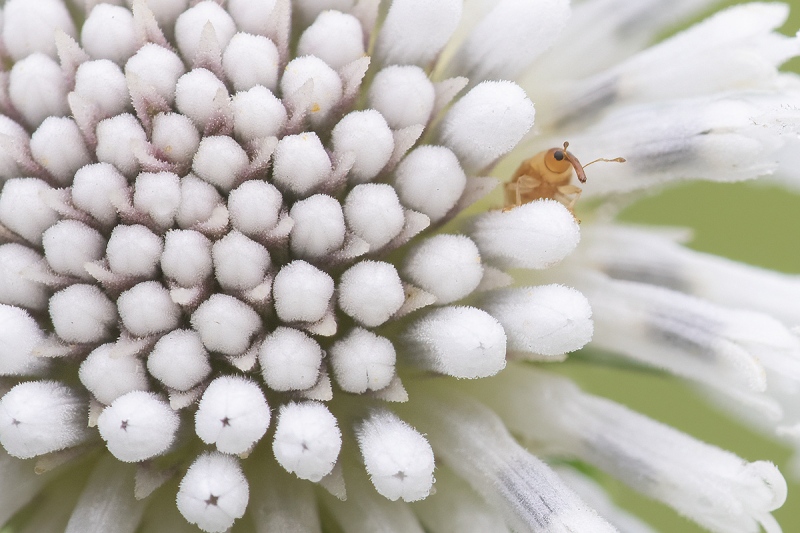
(570, 195)
(522, 185)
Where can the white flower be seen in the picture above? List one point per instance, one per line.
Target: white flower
(235, 263)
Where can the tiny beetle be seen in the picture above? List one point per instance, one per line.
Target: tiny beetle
(547, 175)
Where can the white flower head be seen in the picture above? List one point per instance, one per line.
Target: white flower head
(235, 253)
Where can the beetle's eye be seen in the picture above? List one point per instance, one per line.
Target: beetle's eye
(559, 155)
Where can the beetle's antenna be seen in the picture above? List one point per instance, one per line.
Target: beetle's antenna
(615, 160)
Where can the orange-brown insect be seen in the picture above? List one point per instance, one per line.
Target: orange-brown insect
(547, 175)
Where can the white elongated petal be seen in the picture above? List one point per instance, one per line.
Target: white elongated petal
(634, 254)
(110, 488)
(226, 324)
(373, 212)
(134, 251)
(301, 164)
(282, 502)
(398, 459)
(371, 292)
(69, 244)
(447, 266)
(23, 209)
(430, 180)
(147, 309)
(326, 86)
(290, 360)
(509, 37)
(220, 161)
(456, 507)
(37, 89)
(403, 94)
(19, 335)
(232, 414)
(158, 195)
(334, 37)
(15, 287)
(158, 68)
(93, 188)
(729, 137)
(363, 361)
(301, 292)
(57, 145)
(257, 113)
(367, 136)
(463, 342)
(549, 320)
(137, 426)
(19, 484)
(196, 96)
(117, 138)
(29, 27)
(175, 135)
(319, 227)
(415, 31)
(307, 440)
(475, 444)
(38, 417)
(213, 493)
(109, 371)
(711, 486)
(190, 24)
(179, 360)
(239, 263)
(82, 313)
(251, 60)
(102, 83)
(109, 33)
(254, 207)
(534, 235)
(487, 123)
(186, 257)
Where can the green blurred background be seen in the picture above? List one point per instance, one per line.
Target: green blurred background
(749, 222)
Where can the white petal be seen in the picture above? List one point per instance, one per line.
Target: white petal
(213, 493)
(307, 440)
(290, 360)
(415, 31)
(232, 414)
(226, 324)
(138, 426)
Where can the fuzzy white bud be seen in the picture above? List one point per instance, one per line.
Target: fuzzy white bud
(19, 335)
(109, 33)
(398, 459)
(254, 207)
(415, 31)
(371, 292)
(251, 60)
(487, 122)
(23, 209)
(225, 324)
(318, 226)
(14, 136)
(134, 251)
(15, 287)
(57, 145)
(147, 309)
(535, 235)
(257, 113)
(373, 212)
(463, 342)
(290, 360)
(69, 245)
(38, 417)
(179, 360)
(103, 84)
(404, 95)
(252, 17)
(186, 257)
(365, 135)
(37, 88)
(301, 164)
(110, 371)
(239, 263)
(28, 27)
(232, 414)
(430, 180)
(363, 361)
(326, 90)
(190, 24)
(93, 189)
(117, 138)
(196, 95)
(156, 67)
(82, 313)
(307, 440)
(213, 493)
(334, 37)
(301, 292)
(158, 195)
(175, 136)
(549, 320)
(447, 266)
(220, 161)
(138, 426)
(199, 199)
